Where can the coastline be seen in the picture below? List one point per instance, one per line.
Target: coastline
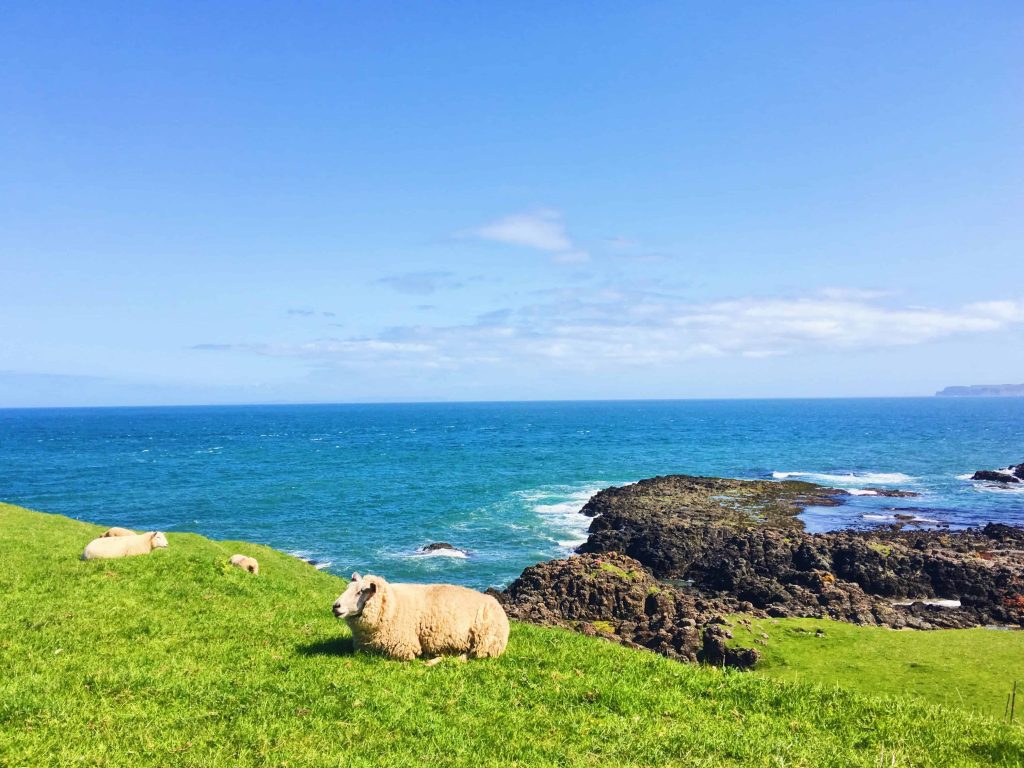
(668, 558)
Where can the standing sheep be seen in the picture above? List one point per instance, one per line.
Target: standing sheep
(404, 621)
(246, 564)
(115, 531)
(124, 546)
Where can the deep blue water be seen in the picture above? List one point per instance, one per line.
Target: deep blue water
(364, 486)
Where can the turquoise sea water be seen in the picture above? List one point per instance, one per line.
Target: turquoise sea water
(365, 486)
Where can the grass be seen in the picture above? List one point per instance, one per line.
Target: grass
(971, 669)
(614, 569)
(173, 659)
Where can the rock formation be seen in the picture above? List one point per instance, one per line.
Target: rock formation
(668, 558)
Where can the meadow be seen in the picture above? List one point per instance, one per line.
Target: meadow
(176, 658)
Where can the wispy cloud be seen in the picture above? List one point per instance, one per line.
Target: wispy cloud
(214, 347)
(542, 230)
(640, 328)
(293, 312)
(420, 283)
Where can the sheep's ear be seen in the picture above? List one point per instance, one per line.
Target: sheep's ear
(371, 589)
(356, 576)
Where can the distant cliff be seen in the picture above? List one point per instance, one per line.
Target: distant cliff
(983, 390)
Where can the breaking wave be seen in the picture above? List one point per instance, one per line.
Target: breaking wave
(848, 478)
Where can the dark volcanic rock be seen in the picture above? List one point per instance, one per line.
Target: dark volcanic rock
(437, 545)
(614, 596)
(741, 539)
(893, 493)
(1012, 474)
(668, 557)
(715, 650)
(994, 476)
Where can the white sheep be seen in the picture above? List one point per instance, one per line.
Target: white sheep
(115, 531)
(246, 564)
(405, 621)
(124, 546)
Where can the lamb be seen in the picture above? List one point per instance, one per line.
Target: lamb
(115, 531)
(246, 564)
(124, 546)
(404, 621)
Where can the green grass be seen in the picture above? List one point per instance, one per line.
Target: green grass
(172, 659)
(614, 569)
(972, 669)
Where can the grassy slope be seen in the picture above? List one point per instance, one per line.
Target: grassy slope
(971, 669)
(174, 659)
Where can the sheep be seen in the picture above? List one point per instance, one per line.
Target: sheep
(404, 621)
(115, 531)
(124, 546)
(246, 564)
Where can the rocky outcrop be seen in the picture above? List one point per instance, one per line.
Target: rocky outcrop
(438, 545)
(668, 558)
(1012, 474)
(893, 493)
(615, 597)
(671, 525)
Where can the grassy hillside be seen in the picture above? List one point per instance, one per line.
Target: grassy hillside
(971, 669)
(173, 659)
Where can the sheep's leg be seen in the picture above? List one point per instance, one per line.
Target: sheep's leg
(437, 659)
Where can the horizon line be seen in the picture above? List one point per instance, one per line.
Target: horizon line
(287, 403)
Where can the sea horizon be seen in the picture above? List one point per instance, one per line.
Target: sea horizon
(288, 403)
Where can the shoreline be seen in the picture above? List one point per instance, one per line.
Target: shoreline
(669, 558)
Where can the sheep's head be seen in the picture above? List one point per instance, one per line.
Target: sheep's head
(159, 540)
(353, 600)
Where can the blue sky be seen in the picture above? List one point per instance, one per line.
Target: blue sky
(220, 202)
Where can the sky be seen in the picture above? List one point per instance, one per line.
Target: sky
(357, 202)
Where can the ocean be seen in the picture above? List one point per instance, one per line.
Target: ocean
(366, 487)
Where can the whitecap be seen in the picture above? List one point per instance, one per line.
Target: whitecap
(858, 478)
(559, 508)
(983, 487)
(861, 492)
(458, 554)
(571, 543)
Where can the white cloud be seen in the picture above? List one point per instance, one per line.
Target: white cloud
(632, 328)
(542, 230)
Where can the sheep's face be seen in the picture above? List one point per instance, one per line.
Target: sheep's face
(353, 600)
(159, 540)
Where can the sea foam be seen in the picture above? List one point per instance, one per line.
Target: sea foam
(848, 478)
(559, 507)
(458, 554)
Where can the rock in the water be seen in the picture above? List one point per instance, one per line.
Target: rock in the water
(443, 549)
(893, 493)
(1012, 474)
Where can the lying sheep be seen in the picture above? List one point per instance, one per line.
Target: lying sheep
(124, 546)
(115, 531)
(246, 564)
(404, 621)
